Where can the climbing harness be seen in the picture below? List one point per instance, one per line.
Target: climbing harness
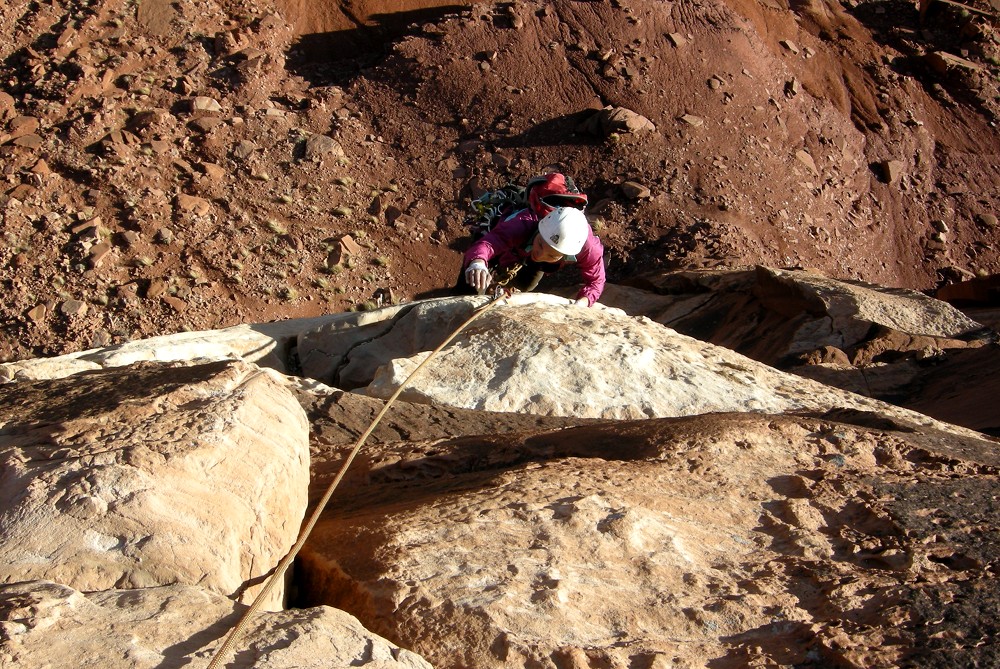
(282, 567)
(507, 274)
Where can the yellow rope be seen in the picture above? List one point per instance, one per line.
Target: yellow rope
(282, 567)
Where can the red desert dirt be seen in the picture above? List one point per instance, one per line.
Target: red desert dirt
(178, 166)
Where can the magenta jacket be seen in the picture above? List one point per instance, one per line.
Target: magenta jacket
(505, 246)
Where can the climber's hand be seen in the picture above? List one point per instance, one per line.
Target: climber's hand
(478, 276)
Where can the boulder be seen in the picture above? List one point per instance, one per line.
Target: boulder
(192, 204)
(542, 356)
(776, 315)
(177, 625)
(717, 540)
(788, 319)
(490, 539)
(616, 120)
(319, 146)
(896, 345)
(148, 476)
(202, 103)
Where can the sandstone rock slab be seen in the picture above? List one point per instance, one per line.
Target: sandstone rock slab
(265, 344)
(51, 625)
(148, 476)
(742, 540)
(770, 314)
(549, 358)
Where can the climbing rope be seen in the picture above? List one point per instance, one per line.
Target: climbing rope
(508, 274)
(282, 567)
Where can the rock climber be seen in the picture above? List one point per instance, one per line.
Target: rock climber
(537, 240)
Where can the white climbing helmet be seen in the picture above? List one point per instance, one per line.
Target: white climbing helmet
(565, 229)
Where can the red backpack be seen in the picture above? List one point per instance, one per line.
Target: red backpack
(542, 194)
(552, 190)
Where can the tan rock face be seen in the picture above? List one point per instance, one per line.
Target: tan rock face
(834, 536)
(541, 357)
(778, 317)
(263, 343)
(770, 314)
(491, 539)
(149, 476)
(891, 344)
(176, 625)
(742, 540)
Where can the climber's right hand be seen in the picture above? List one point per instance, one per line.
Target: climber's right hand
(477, 275)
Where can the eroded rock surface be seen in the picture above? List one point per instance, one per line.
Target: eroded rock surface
(776, 315)
(895, 345)
(780, 521)
(726, 540)
(177, 166)
(177, 626)
(538, 356)
(147, 476)
(266, 344)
